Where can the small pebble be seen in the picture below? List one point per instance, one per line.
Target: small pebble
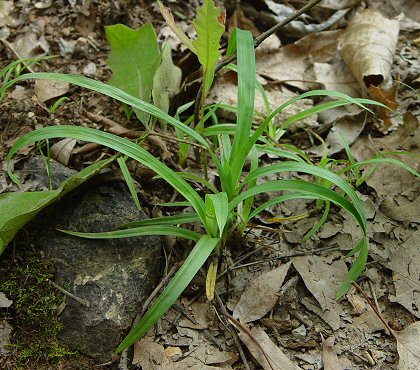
(299, 332)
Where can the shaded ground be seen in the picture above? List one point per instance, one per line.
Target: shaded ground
(297, 314)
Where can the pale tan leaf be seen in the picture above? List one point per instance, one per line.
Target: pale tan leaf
(30, 46)
(323, 280)
(292, 63)
(270, 357)
(261, 296)
(149, 355)
(329, 355)
(368, 46)
(46, 90)
(405, 264)
(62, 150)
(408, 347)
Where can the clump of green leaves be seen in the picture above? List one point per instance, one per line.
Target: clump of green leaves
(36, 303)
(230, 205)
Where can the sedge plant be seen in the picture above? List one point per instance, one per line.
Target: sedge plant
(224, 208)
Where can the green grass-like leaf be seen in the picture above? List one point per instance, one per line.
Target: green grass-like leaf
(139, 231)
(122, 145)
(192, 264)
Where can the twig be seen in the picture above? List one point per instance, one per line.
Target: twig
(235, 338)
(281, 257)
(362, 292)
(258, 40)
(243, 328)
(375, 299)
(67, 293)
(17, 55)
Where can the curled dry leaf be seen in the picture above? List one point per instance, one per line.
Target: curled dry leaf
(368, 46)
(62, 150)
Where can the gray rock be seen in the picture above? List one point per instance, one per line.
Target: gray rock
(36, 173)
(114, 276)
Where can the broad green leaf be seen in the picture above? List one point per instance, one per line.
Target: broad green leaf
(122, 145)
(169, 18)
(219, 203)
(182, 278)
(139, 231)
(19, 208)
(209, 32)
(246, 97)
(166, 81)
(134, 58)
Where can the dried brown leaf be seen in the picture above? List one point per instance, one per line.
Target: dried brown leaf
(323, 280)
(405, 264)
(368, 46)
(408, 347)
(261, 296)
(62, 150)
(329, 355)
(149, 355)
(271, 357)
(46, 90)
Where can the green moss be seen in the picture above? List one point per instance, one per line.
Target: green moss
(24, 280)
